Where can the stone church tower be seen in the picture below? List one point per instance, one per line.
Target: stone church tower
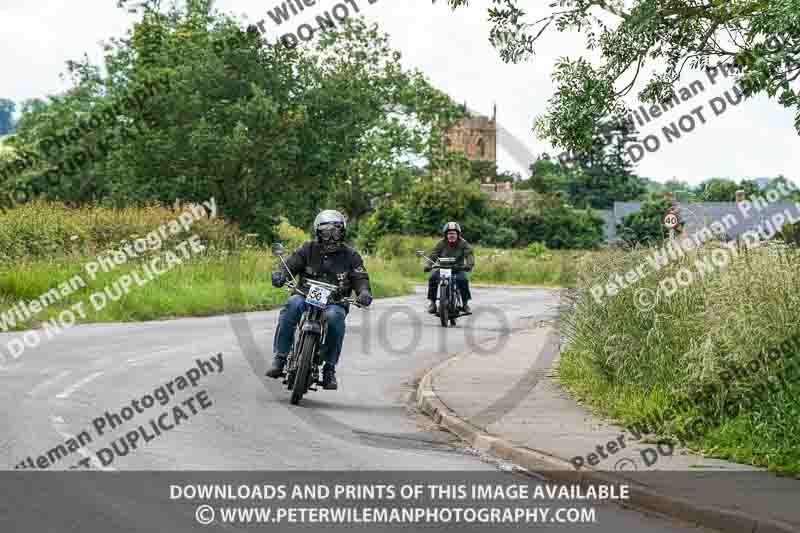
(475, 137)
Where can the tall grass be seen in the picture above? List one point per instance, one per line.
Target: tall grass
(492, 265)
(631, 363)
(208, 284)
(40, 229)
(231, 275)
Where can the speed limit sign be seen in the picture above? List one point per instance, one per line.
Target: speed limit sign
(671, 221)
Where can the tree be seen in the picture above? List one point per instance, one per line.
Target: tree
(558, 225)
(508, 176)
(431, 203)
(548, 176)
(7, 108)
(789, 185)
(480, 170)
(548, 166)
(675, 185)
(646, 226)
(268, 131)
(604, 174)
(760, 39)
(390, 217)
(724, 190)
(595, 178)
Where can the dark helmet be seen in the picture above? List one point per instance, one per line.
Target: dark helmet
(330, 225)
(451, 226)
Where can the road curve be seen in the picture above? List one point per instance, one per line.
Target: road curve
(242, 421)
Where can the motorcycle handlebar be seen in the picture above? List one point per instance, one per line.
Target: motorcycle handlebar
(437, 266)
(291, 286)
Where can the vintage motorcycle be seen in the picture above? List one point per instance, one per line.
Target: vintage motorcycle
(302, 371)
(450, 306)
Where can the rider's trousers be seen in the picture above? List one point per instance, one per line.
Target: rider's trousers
(289, 318)
(462, 283)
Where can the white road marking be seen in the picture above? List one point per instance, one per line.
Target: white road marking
(156, 354)
(69, 390)
(59, 421)
(48, 382)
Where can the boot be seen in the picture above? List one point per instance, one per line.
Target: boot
(329, 378)
(278, 362)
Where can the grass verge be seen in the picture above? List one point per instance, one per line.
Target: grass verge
(200, 286)
(640, 366)
(45, 244)
(551, 268)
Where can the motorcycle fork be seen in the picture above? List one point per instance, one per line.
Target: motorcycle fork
(454, 294)
(299, 337)
(444, 286)
(323, 323)
(315, 377)
(309, 315)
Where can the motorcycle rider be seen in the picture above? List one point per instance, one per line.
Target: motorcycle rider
(325, 258)
(452, 245)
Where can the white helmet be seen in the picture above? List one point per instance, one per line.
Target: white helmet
(451, 226)
(330, 225)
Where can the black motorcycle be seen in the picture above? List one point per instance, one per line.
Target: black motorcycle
(302, 370)
(450, 305)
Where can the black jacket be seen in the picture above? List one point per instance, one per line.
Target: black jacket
(462, 252)
(344, 267)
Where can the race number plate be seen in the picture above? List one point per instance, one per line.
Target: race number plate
(445, 273)
(317, 295)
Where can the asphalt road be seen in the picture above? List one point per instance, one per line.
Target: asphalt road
(242, 421)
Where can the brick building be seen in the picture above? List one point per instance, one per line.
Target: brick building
(475, 137)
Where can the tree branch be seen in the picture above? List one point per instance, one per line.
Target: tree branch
(628, 88)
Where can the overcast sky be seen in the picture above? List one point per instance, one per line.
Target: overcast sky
(754, 139)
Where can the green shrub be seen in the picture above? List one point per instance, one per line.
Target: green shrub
(430, 204)
(500, 238)
(790, 234)
(478, 229)
(536, 249)
(388, 218)
(559, 227)
(290, 236)
(646, 226)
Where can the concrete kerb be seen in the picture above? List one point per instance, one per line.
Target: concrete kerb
(560, 470)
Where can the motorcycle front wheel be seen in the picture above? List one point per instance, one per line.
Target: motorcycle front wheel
(302, 375)
(455, 305)
(444, 305)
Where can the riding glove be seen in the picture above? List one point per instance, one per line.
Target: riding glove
(278, 279)
(365, 298)
(427, 268)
